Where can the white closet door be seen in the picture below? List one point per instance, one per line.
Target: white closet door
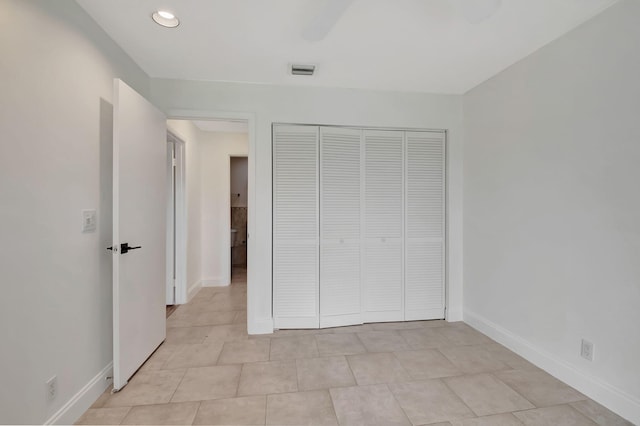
(383, 214)
(295, 227)
(340, 222)
(425, 226)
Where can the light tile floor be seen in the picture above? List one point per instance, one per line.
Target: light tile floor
(210, 372)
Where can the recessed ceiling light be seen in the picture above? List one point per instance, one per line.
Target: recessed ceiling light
(166, 15)
(165, 18)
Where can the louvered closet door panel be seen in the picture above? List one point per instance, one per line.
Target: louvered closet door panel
(340, 211)
(295, 227)
(383, 216)
(425, 225)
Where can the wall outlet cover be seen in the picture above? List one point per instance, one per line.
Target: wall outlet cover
(52, 388)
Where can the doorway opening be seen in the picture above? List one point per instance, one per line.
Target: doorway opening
(238, 180)
(215, 152)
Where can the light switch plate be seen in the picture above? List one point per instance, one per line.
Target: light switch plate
(586, 350)
(89, 220)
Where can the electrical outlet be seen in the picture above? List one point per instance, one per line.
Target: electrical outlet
(52, 388)
(586, 350)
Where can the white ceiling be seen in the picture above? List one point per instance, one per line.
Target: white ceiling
(406, 45)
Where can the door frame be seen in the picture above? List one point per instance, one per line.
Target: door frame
(253, 290)
(180, 229)
(446, 197)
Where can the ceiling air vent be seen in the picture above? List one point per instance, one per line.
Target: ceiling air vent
(298, 69)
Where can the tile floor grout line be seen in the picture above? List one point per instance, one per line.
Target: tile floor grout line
(409, 376)
(239, 379)
(355, 379)
(179, 383)
(196, 413)
(398, 402)
(333, 405)
(361, 342)
(517, 393)
(405, 340)
(295, 363)
(125, 416)
(462, 372)
(266, 406)
(444, 382)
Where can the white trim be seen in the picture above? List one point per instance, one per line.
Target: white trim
(256, 291)
(182, 292)
(170, 293)
(193, 289)
(613, 398)
(261, 326)
(70, 412)
(215, 282)
(453, 315)
(181, 221)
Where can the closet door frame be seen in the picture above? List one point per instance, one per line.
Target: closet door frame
(307, 323)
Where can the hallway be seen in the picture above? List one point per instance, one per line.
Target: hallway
(209, 371)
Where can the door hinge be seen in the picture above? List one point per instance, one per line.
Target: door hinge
(173, 162)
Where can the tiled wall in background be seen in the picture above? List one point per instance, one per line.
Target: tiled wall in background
(239, 222)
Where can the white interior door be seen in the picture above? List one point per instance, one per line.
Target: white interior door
(295, 227)
(340, 223)
(383, 291)
(425, 226)
(139, 203)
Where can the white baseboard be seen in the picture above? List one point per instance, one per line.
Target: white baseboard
(193, 289)
(215, 282)
(454, 315)
(71, 411)
(613, 398)
(260, 326)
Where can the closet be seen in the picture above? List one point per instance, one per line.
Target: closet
(358, 225)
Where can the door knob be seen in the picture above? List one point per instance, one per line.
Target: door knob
(124, 248)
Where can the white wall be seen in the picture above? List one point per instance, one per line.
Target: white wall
(319, 106)
(239, 180)
(551, 207)
(56, 119)
(190, 135)
(216, 150)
